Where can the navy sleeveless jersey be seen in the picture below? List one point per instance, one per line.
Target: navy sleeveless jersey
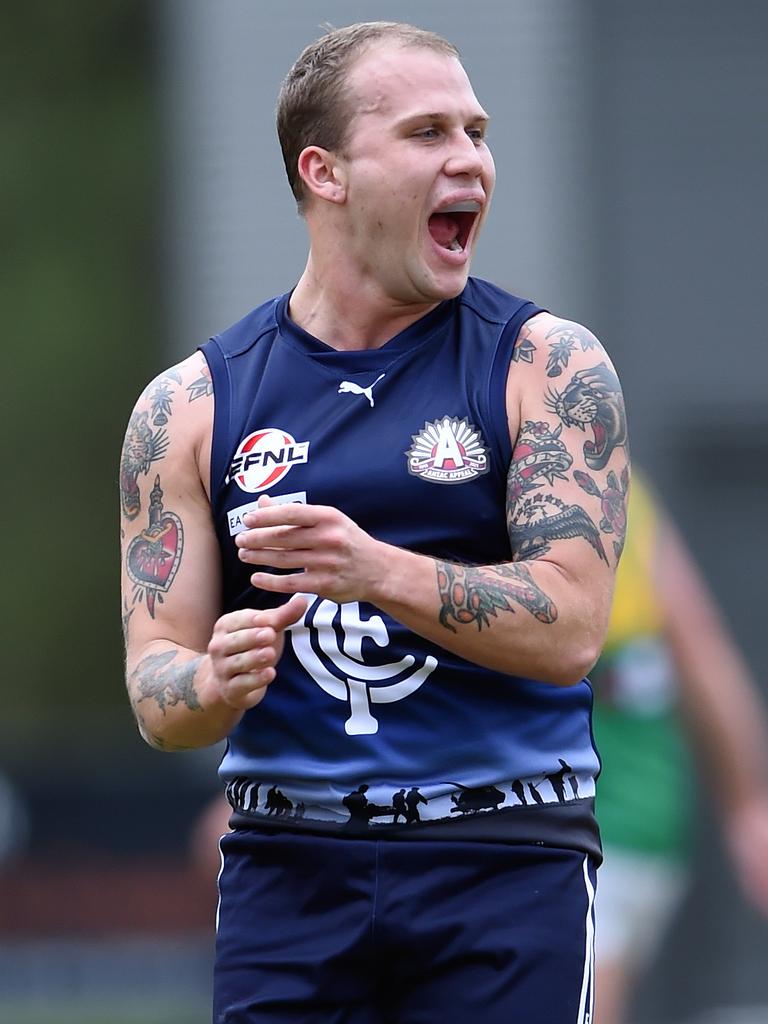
(369, 727)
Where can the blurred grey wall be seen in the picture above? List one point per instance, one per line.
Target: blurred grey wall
(681, 129)
(631, 146)
(682, 132)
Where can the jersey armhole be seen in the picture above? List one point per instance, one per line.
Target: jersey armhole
(222, 405)
(497, 382)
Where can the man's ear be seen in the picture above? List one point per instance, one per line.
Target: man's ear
(322, 174)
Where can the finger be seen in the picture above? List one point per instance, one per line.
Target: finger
(282, 537)
(243, 618)
(290, 612)
(245, 662)
(245, 640)
(294, 583)
(247, 690)
(291, 513)
(277, 559)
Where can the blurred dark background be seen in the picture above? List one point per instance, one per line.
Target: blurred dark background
(143, 206)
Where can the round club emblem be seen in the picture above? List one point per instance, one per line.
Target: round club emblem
(264, 457)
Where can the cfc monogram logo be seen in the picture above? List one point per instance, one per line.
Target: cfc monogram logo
(328, 642)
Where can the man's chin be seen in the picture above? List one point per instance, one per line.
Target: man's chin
(447, 285)
(440, 283)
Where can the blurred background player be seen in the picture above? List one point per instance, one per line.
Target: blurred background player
(669, 671)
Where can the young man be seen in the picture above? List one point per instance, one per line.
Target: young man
(360, 552)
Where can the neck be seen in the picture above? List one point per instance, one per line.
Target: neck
(347, 312)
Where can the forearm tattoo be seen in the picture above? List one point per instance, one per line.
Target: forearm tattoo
(157, 678)
(470, 594)
(152, 738)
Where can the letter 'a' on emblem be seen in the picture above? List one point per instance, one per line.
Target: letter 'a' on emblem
(264, 457)
(448, 451)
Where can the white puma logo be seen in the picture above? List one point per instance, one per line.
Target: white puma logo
(348, 386)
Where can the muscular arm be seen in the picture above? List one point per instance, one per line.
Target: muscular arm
(168, 558)
(543, 613)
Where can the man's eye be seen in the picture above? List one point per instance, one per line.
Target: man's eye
(476, 134)
(427, 133)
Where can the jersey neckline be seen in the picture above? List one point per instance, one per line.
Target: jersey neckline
(407, 339)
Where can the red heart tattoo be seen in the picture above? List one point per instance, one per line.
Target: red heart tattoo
(153, 557)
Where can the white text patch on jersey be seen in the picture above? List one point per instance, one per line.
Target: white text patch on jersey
(235, 515)
(448, 451)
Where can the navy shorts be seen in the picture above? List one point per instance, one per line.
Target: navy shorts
(363, 931)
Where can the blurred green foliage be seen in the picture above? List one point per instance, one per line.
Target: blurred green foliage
(79, 198)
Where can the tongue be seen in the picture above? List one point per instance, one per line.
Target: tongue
(444, 228)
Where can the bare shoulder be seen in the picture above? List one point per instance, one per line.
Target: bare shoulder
(564, 364)
(185, 386)
(583, 389)
(553, 345)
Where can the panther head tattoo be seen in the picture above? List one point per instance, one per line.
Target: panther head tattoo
(593, 398)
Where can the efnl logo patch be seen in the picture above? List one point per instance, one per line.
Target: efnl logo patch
(448, 451)
(264, 457)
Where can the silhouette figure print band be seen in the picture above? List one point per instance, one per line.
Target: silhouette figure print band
(339, 668)
(375, 806)
(348, 387)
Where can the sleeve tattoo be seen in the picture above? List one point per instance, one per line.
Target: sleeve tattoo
(535, 518)
(472, 595)
(153, 556)
(157, 678)
(593, 399)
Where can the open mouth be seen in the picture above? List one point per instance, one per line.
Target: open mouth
(452, 226)
(598, 446)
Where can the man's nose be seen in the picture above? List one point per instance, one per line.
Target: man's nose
(465, 157)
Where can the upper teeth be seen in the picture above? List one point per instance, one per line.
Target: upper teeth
(468, 206)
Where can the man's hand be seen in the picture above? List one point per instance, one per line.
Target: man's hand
(245, 647)
(339, 561)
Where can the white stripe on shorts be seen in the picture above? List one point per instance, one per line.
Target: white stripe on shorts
(586, 1001)
(218, 887)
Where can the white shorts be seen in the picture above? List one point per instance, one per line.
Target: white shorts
(637, 896)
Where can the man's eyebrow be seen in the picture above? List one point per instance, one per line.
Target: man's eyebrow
(437, 115)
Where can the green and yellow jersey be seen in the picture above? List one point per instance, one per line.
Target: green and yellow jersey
(645, 791)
